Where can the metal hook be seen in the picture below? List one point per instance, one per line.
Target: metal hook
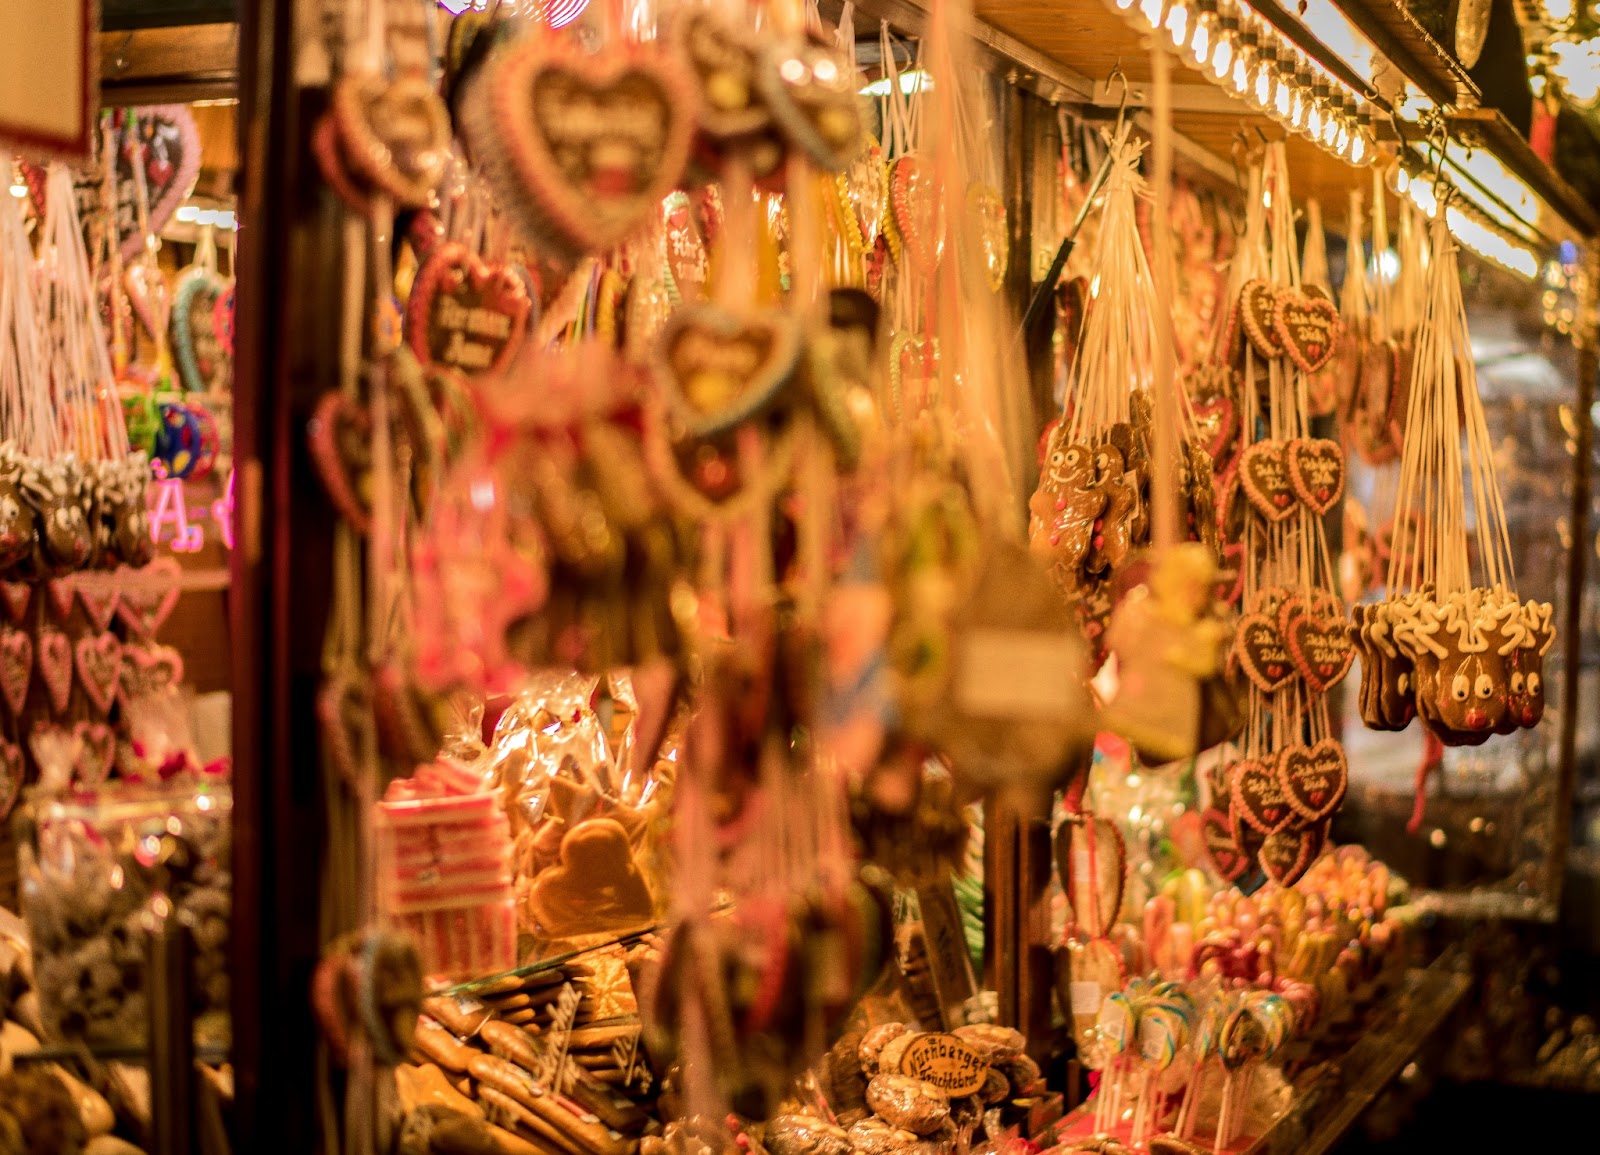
(1122, 103)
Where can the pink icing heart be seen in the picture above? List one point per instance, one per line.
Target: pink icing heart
(16, 667)
(63, 592)
(99, 663)
(149, 594)
(16, 595)
(148, 669)
(11, 769)
(97, 752)
(55, 666)
(98, 591)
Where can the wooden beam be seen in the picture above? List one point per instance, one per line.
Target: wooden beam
(162, 65)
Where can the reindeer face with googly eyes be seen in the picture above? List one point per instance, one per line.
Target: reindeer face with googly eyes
(1525, 690)
(1471, 692)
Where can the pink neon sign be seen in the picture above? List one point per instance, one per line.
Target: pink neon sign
(172, 518)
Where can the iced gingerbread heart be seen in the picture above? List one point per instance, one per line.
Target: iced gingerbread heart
(466, 313)
(1229, 861)
(1320, 646)
(1262, 653)
(97, 753)
(99, 662)
(915, 212)
(341, 449)
(1264, 477)
(147, 669)
(54, 658)
(719, 369)
(1286, 855)
(1258, 310)
(1091, 861)
(1217, 421)
(149, 594)
(1316, 472)
(811, 91)
(395, 134)
(16, 667)
(1256, 797)
(98, 592)
(16, 596)
(1306, 327)
(583, 145)
(725, 58)
(1313, 778)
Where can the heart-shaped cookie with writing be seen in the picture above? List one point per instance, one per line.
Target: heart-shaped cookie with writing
(1230, 579)
(725, 57)
(16, 596)
(1264, 477)
(1258, 311)
(1217, 421)
(1316, 472)
(1314, 778)
(1321, 649)
(98, 593)
(1286, 855)
(395, 134)
(97, 753)
(16, 667)
(811, 90)
(339, 435)
(466, 313)
(1226, 857)
(1306, 328)
(62, 594)
(1255, 796)
(1262, 653)
(148, 669)
(11, 772)
(718, 368)
(582, 146)
(53, 653)
(99, 661)
(149, 594)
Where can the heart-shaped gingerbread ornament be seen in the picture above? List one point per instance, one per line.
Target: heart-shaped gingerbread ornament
(340, 439)
(811, 90)
(1314, 778)
(149, 595)
(16, 596)
(719, 369)
(147, 669)
(1264, 477)
(1091, 862)
(54, 657)
(466, 313)
(97, 753)
(98, 593)
(62, 594)
(16, 667)
(1321, 649)
(1286, 855)
(1255, 796)
(99, 661)
(1258, 310)
(1306, 327)
(11, 772)
(1230, 862)
(582, 145)
(395, 134)
(1316, 472)
(1262, 653)
(1217, 421)
(915, 213)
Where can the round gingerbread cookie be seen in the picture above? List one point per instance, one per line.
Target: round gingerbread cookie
(875, 1136)
(873, 1042)
(804, 1135)
(908, 1103)
(993, 1042)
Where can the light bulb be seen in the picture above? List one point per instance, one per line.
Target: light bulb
(1200, 43)
(1314, 121)
(1330, 128)
(1125, 4)
(1150, 10)
(1177, 23)
(1221, 57)
(1358, 149)
(1283, 96)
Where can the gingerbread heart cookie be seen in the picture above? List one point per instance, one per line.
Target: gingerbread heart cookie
(99, 663)
(915, 213)
(1262, 653)
(1313, 778)
(1256, 797)
(1306, 328)
(1320, 647)
(466, 313)
(811, 90)
(54, 658)
(597, 886)
(147, 669)
(339, 435)
(719, 369)
(97, 753)
(1286, 855)
(1264, 477)
(1091, 862)
(1258, 309)
(725, 59)
(1316, 472)
(149, 595)
(1226, 858)
(394, 134)
(582, 146)
(16, 667)
(1217, 422)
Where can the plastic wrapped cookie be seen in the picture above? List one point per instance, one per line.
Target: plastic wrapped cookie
(875, 1136)
(993, 1042)
(995, 1087)
(804, 1135)
(908, 1103)
(1022, 1071)
(875, 1040)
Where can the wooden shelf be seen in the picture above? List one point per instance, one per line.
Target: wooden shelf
(1427, 63)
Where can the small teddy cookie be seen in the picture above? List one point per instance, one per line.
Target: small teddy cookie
(908, 1103)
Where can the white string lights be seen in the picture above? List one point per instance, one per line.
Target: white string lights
(1250, 57)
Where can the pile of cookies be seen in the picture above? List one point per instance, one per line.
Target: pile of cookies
(895, 1088)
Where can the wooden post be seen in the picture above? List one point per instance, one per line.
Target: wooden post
(284, 356)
